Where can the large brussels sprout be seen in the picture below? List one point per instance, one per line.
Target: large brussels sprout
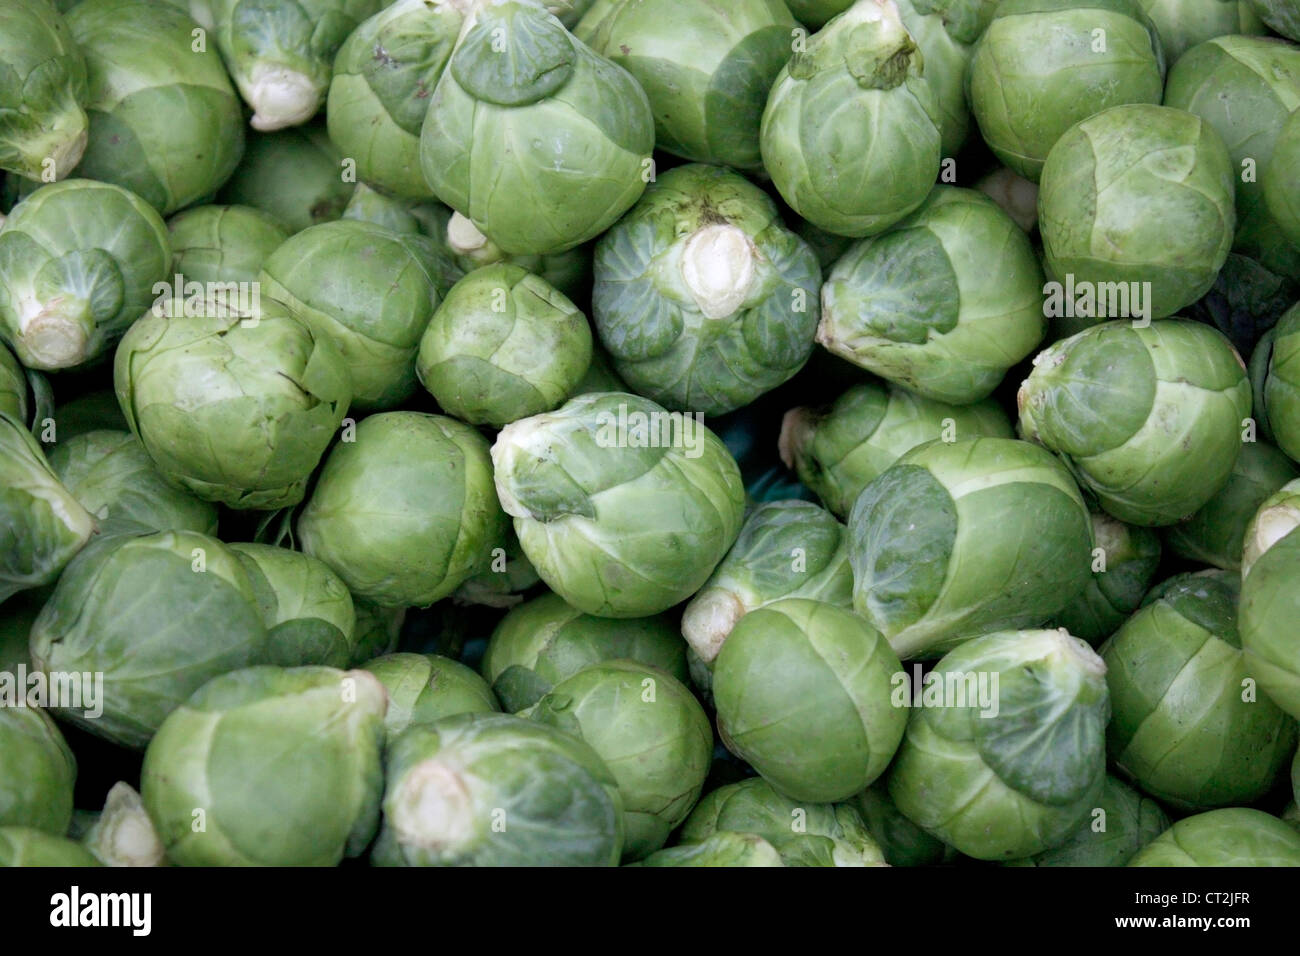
(943, 304)
(223, 244)
(496, 790)
(963, 538)
(78, 264)
(283, 764)
(42, 92)
(902, 841)
(1279, 177)
(544, 641)
(1186, 721)
(705, 65)
(1236, 836)
(426, 688)
(1123, 563)
(1282, 15)
(623, 508)
(851, 132)
(405, 512)
(651, 733)
(543, 144)
(568, 271)
(296, 175)
(164, 120)
(1176, 400)
(26, 847)
(1270, 600)
(1185, 23)
(157, 615)
(1275, 375)
(979, 772)
(722, 849)
(702, 297)
(1122, 822)
(37, 771)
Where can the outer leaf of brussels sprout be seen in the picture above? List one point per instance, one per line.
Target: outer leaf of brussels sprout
(1121, 824)
(1270, 603)
(24, 846)
(13, 387)
(1279, 177)
(37, 771)
(815, 13)
(1236, 836)
(1275, 374)
(296, 175)
(1281, 15)
(425, 688)
(366, 205)
(1131, 555)
(223, 243)
(722, 849)
(945, 60)
(1183, 24)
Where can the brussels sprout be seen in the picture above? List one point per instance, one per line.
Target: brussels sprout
(706, 67)
(42, 92)
(837, 451)
(1122, 822)
(1278, 179)
(155, 616)
(1186, 723)
(722, 849)
(979, 772)
(506, 579)
(786, 549)
(851, 132)
(13, 387)
(164, 120)
(902, 841)
(623, 508)
(816, 834)
(568, 271)
(264, 390)
(426, 688)
(962, 538)
(24, 846)
(1183, 24)
(496, 790)
(1270, 602)
(943, 305)
(815, 13)
(123, 834)
(1275, 375)
(803, 692)
(1123, 564)
(404, 512)
(1015, 195)
(944, 31)
(78, 264)
(369, 289)
(651, 733)
(377, 632)
(541, 154)
(284, 765)
(1176, 398)
(1282, 15)
(223, 244)
(296, 175)
(398, 215)
(1236, 836)
(37, 770)
(702, 296)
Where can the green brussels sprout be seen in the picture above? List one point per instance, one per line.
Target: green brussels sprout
(265, 391)
(426, 688)
(962, 538)
(1015, 195)
(79, 262)
(1186, 724)
(37, 771)
(506, 579)
(157, 615)
(706, 67)
(945, 33)
(803, 691)
(122, 834)
(851, 133)
(1236, 836)
(1282, 15)
(902, 841)
(113, 478)
(622, 507)
(24, 846)
(497, 790)
(1270, 602)
(42, 92)
(503, 345)
(816, 13)
(1183, 24)
(943, 304)
(1275, 377)
(13, 387)
(568, 271)
(42, 525)
(816, 834)
(544, 641)
(1278, 179)
(1123, 564)
(544, 152)
(1121, 824)
(370, 290)
(295, 175)
(398, 215)
(702, 296)
(1176, 398)
(786, 549)
(377, 632)
(838, 450)
(284, 765)
(650, 731)
(405, 512)
(722, 849)
(1009, 769)
(164, 120)
(223, 244)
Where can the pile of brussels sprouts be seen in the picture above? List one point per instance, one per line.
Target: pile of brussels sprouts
(652, 432)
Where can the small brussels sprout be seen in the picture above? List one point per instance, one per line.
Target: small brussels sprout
(652, 734)
(1176, 398)
(722, 849)
(405, 512)
(977, 772)
(24, 846)
(122, 834)
(943, 304)
(426, 688)
(37, 771)
(1153, 240)
(496, 790)
(398, 215)
(902, 841)
(78, 264)
(1123, 563)
(541, 155)
(1121, 824)
(622, 507)
(568, 271)
(1236, 836)
(295, 175)
(157, 615)
(378, 630)
(1183, 24)
(1279, 177)
(945, 32)
(963, 538)
(1281, 15)
(702, 296)
(1275, 377)
(285, 765)
(1270, 601)
(223, 244)
(851, 132)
